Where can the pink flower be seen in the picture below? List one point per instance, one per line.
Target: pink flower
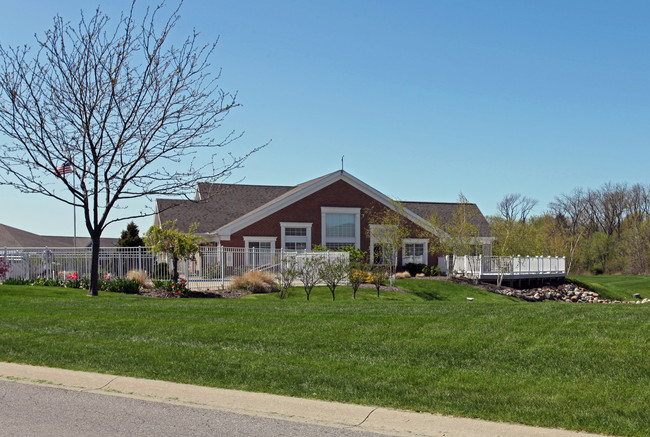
(179, 292)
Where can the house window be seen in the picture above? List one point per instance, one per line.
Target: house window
(259, 250)
(340, 227)
(295, 236)
(414, 250)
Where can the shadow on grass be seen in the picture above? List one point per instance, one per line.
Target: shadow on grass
(429, 295)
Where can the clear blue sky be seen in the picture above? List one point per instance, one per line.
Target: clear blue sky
(424, 98)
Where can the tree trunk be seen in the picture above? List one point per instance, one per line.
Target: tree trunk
(94, 265)
(175, 268)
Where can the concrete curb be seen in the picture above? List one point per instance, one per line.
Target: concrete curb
(334, 414)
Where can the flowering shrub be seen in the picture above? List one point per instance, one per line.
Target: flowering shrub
(4, 268)
(179, 288)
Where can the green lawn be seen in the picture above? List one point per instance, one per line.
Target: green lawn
(617, 287)
(551, 364)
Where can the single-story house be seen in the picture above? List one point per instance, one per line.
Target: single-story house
(331, 211)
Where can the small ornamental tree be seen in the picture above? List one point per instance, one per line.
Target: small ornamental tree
(289, 272)
(333, 271)
(378, 274)
(357, 275)
(130, 237)
(167, 239)
(389, 229)
(309, 272)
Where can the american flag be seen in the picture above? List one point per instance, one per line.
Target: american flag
(64, 168)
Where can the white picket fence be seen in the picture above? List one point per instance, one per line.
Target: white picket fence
(490, 267)
(213, 268)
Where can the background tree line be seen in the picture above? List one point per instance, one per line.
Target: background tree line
(602, 230)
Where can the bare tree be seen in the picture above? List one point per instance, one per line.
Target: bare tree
(515, 207)
(333, 271)
(570, 212)
(117, 105)
(309, 272)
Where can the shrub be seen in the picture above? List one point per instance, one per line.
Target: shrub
(414, 269)
(4, 268)
(402, 275)
(119, 285)
(255, 281)
(16, 281)
(179, 287)
(431, 270)
(596, 269)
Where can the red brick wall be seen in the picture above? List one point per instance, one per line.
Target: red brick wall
(308, 209)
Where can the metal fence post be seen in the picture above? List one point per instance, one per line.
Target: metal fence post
(223, 268)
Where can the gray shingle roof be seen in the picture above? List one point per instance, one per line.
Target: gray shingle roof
(223, 203)
(445, 213)
(14, 237)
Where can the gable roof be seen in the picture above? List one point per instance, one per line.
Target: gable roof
(222, 209)
(14, 237)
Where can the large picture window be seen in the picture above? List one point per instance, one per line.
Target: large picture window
(341, 227)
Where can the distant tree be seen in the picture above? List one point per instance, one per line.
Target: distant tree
(168, 240)
(515, 207)
(130, 237)
(117, 105)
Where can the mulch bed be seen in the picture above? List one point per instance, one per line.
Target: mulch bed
(219, 294)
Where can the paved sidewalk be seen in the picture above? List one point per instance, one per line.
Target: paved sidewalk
(333, 414)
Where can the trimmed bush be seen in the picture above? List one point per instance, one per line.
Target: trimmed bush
(402, 275)
(255, 281)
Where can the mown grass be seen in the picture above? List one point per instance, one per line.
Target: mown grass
(574, 366)
(616, 287)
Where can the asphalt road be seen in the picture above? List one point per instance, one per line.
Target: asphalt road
(35, 410)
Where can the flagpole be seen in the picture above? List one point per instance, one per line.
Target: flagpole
(74, 209)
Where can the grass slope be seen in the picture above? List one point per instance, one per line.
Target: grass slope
(617, 287)
(548, 364)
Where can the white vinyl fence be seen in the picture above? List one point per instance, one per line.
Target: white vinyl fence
(213, 268)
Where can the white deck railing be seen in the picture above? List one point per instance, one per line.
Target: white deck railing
(486, 267)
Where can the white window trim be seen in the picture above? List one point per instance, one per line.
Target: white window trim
(250, 239)
(271, 240)
(423, 241)
(283, 239)
(324, 210)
